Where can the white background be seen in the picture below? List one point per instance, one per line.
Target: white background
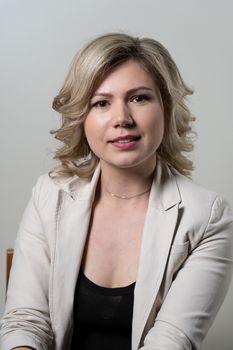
(37, 42)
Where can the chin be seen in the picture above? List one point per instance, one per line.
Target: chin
(128, 161)
(130, 164)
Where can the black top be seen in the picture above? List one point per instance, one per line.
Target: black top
(102, 316)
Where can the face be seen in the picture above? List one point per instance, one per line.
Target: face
(125, 124)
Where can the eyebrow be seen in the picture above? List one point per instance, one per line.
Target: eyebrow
(131, 91)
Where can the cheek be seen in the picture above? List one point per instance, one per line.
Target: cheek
(156, 132)
(155, 124)
(87, 130)
(93, 134)
(94, 125)
(90, 128)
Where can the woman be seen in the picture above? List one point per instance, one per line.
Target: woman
(118, 248)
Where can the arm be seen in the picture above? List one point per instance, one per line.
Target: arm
(26, 322)
(198, 289)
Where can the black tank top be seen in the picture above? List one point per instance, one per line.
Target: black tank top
(102, 316)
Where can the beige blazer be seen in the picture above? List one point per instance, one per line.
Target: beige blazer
(184, 270)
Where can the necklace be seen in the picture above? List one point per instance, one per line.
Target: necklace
(126, 197)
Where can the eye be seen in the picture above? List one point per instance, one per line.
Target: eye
(100, 104)
(140, 98)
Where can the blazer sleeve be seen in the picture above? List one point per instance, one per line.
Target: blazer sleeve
(198, 288)
(26, 321)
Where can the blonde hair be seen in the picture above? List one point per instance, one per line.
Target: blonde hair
(89, 68)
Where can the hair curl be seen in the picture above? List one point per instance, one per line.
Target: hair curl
(89, 68)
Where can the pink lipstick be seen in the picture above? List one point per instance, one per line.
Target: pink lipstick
(126, 141)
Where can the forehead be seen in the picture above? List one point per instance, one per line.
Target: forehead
(128, 75)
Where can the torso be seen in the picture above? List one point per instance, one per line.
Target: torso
(113, 246)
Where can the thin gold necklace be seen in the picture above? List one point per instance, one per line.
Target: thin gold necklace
(126, 197)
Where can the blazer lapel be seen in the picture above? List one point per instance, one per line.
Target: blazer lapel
(158, 234)
(72, 227)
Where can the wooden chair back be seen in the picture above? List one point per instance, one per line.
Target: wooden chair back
(9, 256)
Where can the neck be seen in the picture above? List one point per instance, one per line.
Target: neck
(126, 183)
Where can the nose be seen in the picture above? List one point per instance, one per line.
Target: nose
(122, 116)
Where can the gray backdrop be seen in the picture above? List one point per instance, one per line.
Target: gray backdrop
(37, 42)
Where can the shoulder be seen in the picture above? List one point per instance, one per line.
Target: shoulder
(203, 214)
(200, 202)
(45, 181)
(46, 187)
(192, 191)
(74, 187)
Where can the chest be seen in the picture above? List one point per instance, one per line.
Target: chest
(113, 246)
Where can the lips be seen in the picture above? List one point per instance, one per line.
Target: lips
(125, 142)
(125, 139)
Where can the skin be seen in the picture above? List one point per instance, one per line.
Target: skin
(127, 102)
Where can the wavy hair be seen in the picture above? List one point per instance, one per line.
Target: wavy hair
(89, 68)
